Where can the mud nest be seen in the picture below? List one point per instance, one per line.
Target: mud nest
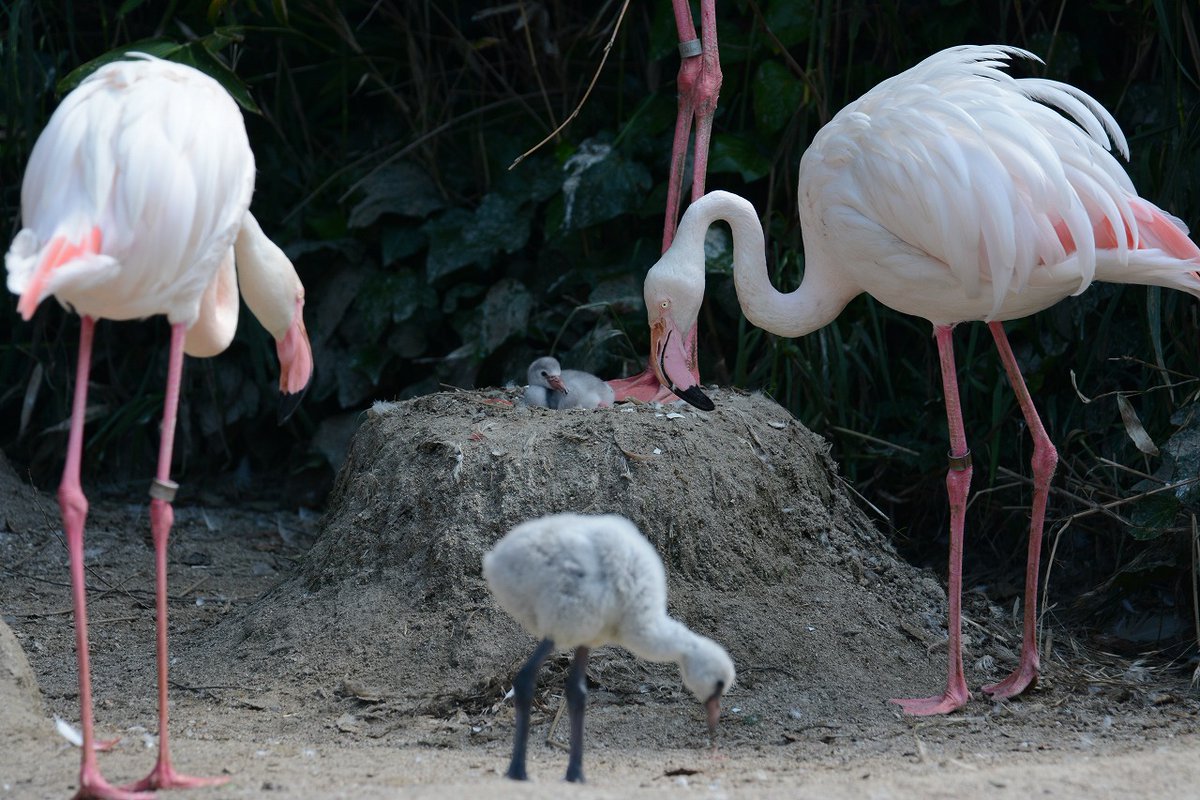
(764, 548)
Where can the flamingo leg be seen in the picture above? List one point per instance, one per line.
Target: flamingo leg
(1045, 459)
(162, 491)
(576, 704)
(74, 507)
(699, 83)
(523, 687)
(958, 482)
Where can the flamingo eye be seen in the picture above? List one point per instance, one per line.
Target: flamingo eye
(665, 304)
(544, 375)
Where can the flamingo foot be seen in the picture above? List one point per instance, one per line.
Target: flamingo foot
(1023, 677)
(952, 700)
(164, 776)
(643, 387)
(93, 786)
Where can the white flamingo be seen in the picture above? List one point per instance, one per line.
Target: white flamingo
(956, 193)
(135, 203)
(551, 386)
(578, 581)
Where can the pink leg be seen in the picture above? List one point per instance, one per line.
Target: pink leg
(958, 482)
(699, 85)
(74, 506)
(162, 491)
(1045, 459)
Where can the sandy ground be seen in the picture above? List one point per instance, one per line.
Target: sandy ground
(348, 656)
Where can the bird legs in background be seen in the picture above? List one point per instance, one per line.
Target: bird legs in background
(699, 84)
(74, 508)
(958, 482)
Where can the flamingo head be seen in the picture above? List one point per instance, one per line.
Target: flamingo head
(672, 306)
(547, 373)
(708, 672)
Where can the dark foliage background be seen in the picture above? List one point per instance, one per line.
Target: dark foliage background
(383, 133)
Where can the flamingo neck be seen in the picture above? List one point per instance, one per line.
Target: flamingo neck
(814, 304)
(660, 639)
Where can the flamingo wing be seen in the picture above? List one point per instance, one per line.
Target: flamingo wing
(149, 162)
(977, 174)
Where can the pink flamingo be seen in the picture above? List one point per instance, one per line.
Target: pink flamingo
(672, 369)
(135, 203)
(952, 192)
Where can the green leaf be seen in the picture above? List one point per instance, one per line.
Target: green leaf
(791, 22)
(160, 48)
(128, 6)
(392, 297)
(777, 96)
(398, 243)
(460, 238)
(371, 360)
(198, 55)
(403, 189)
(194, 54)
(738, 154)
(718, 251)
(504, 313)
(600, 184)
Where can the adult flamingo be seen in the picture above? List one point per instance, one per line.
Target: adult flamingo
(699, 84)
(135, 203)
(953, 192)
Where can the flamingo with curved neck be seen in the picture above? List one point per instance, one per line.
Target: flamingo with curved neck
(956, 193)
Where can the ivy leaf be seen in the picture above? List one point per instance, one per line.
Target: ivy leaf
(195, 54)
(404, 189)
(398, 243)
(504, 313)
(460, 238)
(391, 297)
(791, 22)
(600, 184)
(777, 96)
(737, 154)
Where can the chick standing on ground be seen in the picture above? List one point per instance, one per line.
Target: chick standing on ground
(578, 581)
(551, 386)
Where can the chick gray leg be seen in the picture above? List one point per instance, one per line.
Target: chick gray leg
(576, 702)
(523, 687)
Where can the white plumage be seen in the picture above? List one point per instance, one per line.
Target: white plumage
(551, 386)
(135, 203)
(953, 192)
(155, 155)
(578, 581)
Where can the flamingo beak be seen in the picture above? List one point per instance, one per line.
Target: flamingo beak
(673, 365)
(712, 707)
(295, 363)
(556, 383)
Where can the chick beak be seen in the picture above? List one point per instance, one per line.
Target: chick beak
(556, 383)
(713, 708)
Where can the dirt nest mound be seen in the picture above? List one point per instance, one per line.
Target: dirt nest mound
(764, 550)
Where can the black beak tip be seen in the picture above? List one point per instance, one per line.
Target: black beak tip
(696, 397)
(288, 403)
